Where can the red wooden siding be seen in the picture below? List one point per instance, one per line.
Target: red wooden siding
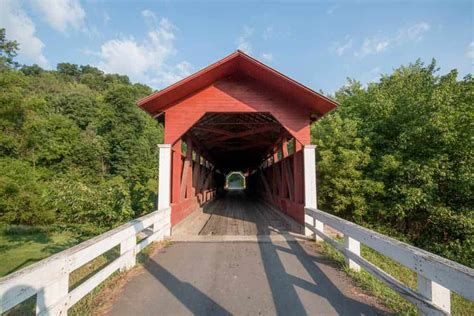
(234, 95)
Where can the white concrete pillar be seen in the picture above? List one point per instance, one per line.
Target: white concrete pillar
(164, 176)
(127, 248)
(354, 246)
(437, 294)
(310, 195)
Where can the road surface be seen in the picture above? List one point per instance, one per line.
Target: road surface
(241, 278)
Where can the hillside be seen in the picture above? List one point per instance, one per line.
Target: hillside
(74, 148)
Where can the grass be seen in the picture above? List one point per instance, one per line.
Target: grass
(21, 246)
(459, 305)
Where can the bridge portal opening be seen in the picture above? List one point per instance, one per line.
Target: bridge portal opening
(266, 190)
(235, 180)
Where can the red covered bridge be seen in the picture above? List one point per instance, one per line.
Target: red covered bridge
(237, 115)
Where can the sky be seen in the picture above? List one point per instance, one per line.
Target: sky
(318, 43)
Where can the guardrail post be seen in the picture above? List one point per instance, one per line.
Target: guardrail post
(310, 194)
(437, 294)
(49, 298)
(354, 246)
(127, 249)
(163, 224)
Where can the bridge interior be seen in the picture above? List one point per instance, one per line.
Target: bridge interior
(220, 143)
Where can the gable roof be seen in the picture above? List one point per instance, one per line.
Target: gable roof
(237, 62)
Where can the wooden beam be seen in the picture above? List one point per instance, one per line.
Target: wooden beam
(207, 180)
(289, 178)
(213, 130)
(241, 123)
(237, 147)
(186, 167)
(196, 171)
(190, 189)
(176, 172)
(284, 149)
(287, 168)
(264, 181)
(203, 152)
(248, 132)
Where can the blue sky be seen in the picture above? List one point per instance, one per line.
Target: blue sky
(318, 43)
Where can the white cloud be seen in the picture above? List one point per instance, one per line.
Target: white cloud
(375, 70)
(374, 74)
(342, 48)
(377, 44)
(148, 14)
(92, 31)
(61, 14)
(21, 28)
(331, 10)
(373, 45)
(267, 33)
(173, 74)
(470, 51)
(413, 33)
(243, 42)
(267, 56)
(147, 60)
(106, 18)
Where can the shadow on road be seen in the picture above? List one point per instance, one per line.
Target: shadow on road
(283, 285)
(196, 301)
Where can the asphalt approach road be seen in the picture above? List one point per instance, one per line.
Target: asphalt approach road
(241, 278)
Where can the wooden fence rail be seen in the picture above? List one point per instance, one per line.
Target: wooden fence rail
(49, 279)
(437, 276)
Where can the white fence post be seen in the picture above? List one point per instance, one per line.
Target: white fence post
(437, 294)
(127, 249)
(310, 194)
(354, 246)
(49, 298)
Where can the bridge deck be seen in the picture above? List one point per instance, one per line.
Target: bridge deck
(236, 215)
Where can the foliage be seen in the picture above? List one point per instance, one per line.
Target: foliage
(74, 148)
(8, 50)
(397, 156)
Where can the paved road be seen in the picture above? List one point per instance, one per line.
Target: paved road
(241, 278)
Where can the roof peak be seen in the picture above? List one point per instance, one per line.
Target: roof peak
(242, 62)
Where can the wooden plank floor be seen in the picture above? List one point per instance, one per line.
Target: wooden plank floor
(235, 214)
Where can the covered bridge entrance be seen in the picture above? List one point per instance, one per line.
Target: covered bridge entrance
(237, 115)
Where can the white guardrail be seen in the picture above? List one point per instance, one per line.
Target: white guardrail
(48, 279)
(437, 276)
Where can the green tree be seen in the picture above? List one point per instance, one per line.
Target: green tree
(74, 148)
(398, 156)
(8, 50)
